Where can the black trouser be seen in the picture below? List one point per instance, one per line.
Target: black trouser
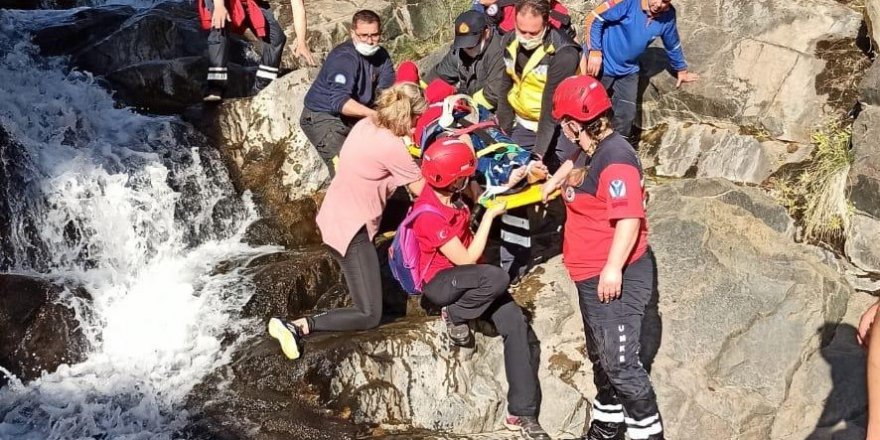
(480, 290)
(326, 132)
(613, 332)
(531, 234)
(360, 266)
(624, 91)
(273, 45)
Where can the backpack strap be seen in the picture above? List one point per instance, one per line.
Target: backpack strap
(408, 222)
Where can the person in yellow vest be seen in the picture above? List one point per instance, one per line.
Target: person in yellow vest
(537, 58)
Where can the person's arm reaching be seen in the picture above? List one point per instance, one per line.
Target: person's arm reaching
(565, 64)
(609, 11)
(446, 69)
(342, 79)
(873, 368)
(555, 182)
(220, 15)
(386, 75)
(672, 43)
(355, 109)
(459, 255)
(300, 27)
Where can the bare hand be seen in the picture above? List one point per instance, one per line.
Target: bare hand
(219, 18)
(594, 63)
(610, 281)
(497, 209)
(302, 51)
(864, 333)
(516, 176)
(686, 77)
(547, 189)
(537, 171)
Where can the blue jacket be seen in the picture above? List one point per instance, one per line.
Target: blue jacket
(348, 74)
(622, 31)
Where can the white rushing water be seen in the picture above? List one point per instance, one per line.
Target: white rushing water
(119, 203)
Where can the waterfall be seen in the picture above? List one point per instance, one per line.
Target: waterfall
(136, 210)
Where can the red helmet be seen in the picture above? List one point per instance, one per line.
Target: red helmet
(447, 159)
(582, 98)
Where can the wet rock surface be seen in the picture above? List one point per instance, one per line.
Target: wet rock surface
(37, 332)
(270, 156)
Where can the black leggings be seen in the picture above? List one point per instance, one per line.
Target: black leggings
(476, 291)
(360, 265)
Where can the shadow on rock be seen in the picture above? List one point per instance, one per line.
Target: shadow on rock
(844, 414)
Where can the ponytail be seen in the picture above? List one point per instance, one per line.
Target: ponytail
(398, 106)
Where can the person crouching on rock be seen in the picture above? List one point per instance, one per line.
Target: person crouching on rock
(605, 249)
(373, 163)
(221, 16)
(466, 290)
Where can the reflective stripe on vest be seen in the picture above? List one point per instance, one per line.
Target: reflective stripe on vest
(527, 92)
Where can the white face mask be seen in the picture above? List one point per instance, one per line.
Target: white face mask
(461, 186)
(476, 50)
(533, 43)
(365, 49)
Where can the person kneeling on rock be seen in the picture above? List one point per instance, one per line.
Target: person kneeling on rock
(465, 290)
(221, 16)
(605, 249)
(373, 162)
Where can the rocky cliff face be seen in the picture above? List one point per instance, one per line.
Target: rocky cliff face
(749, 338)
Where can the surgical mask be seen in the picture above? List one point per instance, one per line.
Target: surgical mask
(533, 43)
(461, 187)
(365, 49)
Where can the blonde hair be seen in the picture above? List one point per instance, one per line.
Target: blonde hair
(398, 106)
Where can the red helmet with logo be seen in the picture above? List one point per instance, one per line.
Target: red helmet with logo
(447, 159)
(582, 98)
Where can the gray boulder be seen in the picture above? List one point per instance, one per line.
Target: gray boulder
(862, 247)
(749, 340)
(268, 154)
(872, 19)
(702, 150)
(780, 73)
(869, 89)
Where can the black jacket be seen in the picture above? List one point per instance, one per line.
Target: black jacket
(470, 75)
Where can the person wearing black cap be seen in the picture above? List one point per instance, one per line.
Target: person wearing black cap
(475, 62)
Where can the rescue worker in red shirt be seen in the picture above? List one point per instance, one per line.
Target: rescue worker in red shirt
(605, 250)
(466, 290)
(222, 16)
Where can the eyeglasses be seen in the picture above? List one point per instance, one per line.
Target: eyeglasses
(368, 38)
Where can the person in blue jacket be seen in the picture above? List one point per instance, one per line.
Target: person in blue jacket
(346, 87)
(617, 33)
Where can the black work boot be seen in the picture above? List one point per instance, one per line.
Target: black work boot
(214, 92)
(260, 84)
(604, 431)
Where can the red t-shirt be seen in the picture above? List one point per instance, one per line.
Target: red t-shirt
(612, 190)
(433, 231)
